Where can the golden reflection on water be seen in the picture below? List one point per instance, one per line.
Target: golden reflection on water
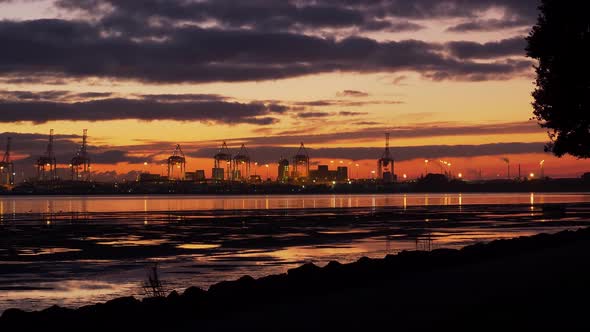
(197, 246)
(145, 210)
(81, 206)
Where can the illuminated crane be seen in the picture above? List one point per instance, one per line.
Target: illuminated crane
(241, 165)
(7, 166)
(177, 162)
(223, 163)
(301, 163)
(47, 164)
(80, 164)
(385, 164)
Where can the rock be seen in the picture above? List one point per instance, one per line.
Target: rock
(194, 292)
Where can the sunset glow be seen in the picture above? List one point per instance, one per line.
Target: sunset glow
(431, 77)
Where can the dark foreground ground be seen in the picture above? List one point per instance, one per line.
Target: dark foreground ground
(535, 283)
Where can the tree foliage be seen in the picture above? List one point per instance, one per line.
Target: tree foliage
(560, 41)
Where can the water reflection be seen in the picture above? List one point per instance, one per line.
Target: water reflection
(80, 206)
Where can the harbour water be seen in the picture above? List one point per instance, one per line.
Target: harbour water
(16, 205)
(76, 250)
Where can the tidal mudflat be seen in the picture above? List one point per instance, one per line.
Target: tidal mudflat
(77, 259)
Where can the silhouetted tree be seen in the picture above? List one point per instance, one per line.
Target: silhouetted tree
(561, 43)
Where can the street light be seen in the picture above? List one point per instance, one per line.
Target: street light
(542, 164)
(267, 168)
(426, 161)
(357, 170)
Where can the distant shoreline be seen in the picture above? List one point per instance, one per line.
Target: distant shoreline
(439, 185)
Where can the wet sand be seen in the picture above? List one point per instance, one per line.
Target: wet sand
(55, 258)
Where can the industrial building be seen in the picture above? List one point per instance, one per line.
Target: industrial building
(324, 175)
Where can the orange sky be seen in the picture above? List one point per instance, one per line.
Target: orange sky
(390, 100)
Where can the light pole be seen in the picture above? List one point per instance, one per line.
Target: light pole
(426, 161)
(357, 171)
(542, 164)
(267, 168)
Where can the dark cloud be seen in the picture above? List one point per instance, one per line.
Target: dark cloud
(352, 93)
(40, 108)
(490, 25)
(34, 145)
(470, 50)
(28, 143)
(173, 54)
(300, 14)
(404, 132)
(115, 156)
(54, 95)
(307, 115)
(259, 15)
(273, 153)
(347, 113)
(343, 103)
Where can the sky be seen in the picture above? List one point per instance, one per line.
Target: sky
(447, 79)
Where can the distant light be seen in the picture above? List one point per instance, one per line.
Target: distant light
(145, 163)
(333, 182)
(357, 165)
(405, 176)
(341, 161)
(532, 175)
(460, 175)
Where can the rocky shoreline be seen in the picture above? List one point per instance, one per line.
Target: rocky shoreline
(412, 290)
